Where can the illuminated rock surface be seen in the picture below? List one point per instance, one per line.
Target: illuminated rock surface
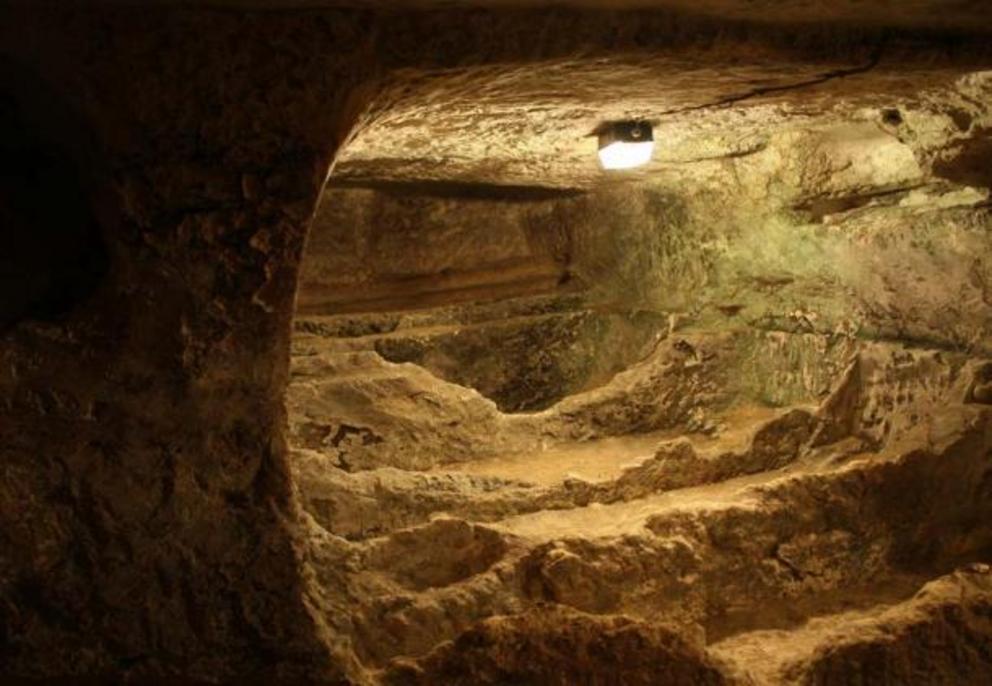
(475, 411)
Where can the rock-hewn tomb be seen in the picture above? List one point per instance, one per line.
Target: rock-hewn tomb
(330, 353)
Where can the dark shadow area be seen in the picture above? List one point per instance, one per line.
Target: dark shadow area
(460, 190)
(53, 256)
(970, 161)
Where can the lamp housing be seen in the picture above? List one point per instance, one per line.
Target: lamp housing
(625, 144)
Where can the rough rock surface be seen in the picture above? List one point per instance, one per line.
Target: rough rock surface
(555, 646)
(548, 348)
(948, 616)
(755, 443)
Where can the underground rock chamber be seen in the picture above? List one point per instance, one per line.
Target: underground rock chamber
(334, 355)
(731, 407)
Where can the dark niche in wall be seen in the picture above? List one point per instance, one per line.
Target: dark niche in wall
(52, 255)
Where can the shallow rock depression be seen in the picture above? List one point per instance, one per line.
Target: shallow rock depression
(331, 353)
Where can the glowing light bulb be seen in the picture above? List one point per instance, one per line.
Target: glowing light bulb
(625, 145)
(623, 155)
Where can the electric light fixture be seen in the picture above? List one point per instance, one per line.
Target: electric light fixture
(625, 144)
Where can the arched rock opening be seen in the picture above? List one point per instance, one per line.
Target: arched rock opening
(788, 336)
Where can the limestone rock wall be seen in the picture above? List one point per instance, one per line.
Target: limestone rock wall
(373, 250)
(867, 257)
(147, 518)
